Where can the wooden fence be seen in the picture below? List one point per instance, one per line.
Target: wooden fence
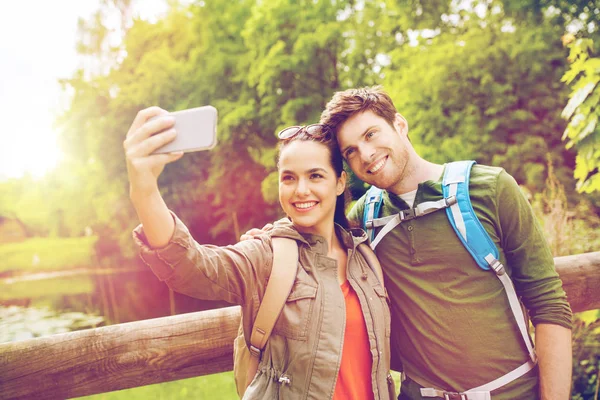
(164, 349)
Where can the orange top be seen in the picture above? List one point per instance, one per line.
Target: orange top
(354, 378)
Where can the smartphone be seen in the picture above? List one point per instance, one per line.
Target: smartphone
(196, 130)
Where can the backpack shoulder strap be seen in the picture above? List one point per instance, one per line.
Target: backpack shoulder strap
(281, 280)
(478, 243)
(371, 259)
(371, 220)
(373, 201)
(462, 216)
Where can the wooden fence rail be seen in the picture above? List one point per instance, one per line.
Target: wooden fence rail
(165, 349)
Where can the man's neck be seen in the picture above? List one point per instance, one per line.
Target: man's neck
(415, 173)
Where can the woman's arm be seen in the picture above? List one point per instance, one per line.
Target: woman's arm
(232, 273)
(143, 169)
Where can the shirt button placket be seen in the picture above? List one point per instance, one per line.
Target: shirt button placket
(411, 237)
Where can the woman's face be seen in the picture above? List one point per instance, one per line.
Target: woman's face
(309, 186)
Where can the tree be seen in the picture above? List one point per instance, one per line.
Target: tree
(582, 111)
(488, 93)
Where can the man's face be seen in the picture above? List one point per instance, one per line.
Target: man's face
(377, 152)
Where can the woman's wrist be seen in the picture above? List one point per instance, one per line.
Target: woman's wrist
(140, 195)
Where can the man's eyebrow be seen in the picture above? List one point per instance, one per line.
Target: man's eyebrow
(343, 151)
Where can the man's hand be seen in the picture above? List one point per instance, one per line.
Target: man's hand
(251, 233)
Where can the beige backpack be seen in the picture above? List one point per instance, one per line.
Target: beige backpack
(281, 280)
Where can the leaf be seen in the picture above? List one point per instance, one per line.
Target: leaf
(578, 98)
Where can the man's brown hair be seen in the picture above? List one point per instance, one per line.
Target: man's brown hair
(344, 105)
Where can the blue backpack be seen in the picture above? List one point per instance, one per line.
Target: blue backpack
(457, 203)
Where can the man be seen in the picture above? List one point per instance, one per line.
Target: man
(452, 326)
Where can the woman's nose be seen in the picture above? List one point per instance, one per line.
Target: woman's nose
(303, 188)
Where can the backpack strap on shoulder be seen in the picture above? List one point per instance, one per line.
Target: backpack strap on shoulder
(372, 208)
(281, 280)
(478, 243)
(462, 217)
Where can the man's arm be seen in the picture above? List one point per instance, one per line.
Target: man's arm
(540, 288)
(553, 347)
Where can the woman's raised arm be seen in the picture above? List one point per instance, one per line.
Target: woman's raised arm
(143, 168)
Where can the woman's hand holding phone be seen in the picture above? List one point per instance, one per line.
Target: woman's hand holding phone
(143, 168)
(156, 138)
(146, 135)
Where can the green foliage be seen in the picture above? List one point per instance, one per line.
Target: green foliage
(482, 94)
(582, 112)
(586, 357)
(558, 218)
(43, 254)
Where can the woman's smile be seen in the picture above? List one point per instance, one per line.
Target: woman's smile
(305, 206)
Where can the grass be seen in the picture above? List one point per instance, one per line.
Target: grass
(218, 386)
(51, 253)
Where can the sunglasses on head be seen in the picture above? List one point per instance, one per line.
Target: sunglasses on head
(316, 131)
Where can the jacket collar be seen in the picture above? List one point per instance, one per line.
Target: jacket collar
(350, 238)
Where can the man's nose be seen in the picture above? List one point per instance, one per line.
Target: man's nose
(367, 152)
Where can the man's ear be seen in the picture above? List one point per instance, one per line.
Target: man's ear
(401, 124)
(341, 183)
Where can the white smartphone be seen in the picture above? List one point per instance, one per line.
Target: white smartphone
(196, 130)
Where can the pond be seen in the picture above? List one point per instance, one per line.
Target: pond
(39, 304)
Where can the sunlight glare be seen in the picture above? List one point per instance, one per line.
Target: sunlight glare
(29, 149)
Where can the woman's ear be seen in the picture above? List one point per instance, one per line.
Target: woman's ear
(341, 183)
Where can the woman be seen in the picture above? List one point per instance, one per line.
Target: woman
(316, 349)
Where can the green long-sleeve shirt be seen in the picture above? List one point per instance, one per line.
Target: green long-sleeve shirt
(451, 322)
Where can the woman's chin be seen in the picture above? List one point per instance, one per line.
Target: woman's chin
(303, 222)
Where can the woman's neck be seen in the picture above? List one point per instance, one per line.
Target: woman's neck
(327, 231)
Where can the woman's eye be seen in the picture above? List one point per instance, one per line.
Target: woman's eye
(349, 152)
(287, 178)
(316, 176)
(370, 134)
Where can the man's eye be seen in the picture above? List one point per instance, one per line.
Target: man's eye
(370, 134)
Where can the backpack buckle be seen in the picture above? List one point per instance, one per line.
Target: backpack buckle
(369, 224)
(255, 351)
(406, 215)
(455, 396)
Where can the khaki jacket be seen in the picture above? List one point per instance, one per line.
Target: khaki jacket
(302, 357)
